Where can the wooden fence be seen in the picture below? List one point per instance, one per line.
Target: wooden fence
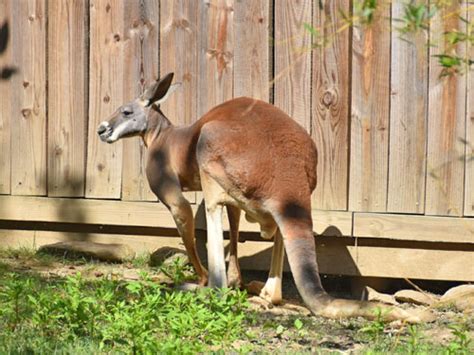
(395, 193)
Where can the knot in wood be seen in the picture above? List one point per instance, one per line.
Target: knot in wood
(182, 23)
(106, 98)
(58, 150)
(26, 84)
(26, 113)
(116, 37)
(329, 98)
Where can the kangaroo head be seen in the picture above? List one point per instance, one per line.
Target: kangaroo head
(131, 119)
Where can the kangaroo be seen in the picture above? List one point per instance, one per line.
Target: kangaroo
(245, 155)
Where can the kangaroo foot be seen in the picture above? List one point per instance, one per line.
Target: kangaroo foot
(269, 291)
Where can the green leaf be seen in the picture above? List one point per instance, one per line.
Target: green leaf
(298, 324)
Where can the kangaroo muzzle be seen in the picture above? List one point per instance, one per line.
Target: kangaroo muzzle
(104, 131)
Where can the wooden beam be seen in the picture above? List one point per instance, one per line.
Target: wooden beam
(333, 258)
(6, 97)
(106, 74)
(251, 60)
(446, 121)
(67, 96)
(141, 28)
(128, 213)
(216, 52)
(408, 115)
(421, 228)
(469, 154)
(178, 54)
(331, 104)
(293, 60)
(370, 114)
(28, 104)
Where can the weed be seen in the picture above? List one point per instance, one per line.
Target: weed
(462, 342)
(47, 316)
(141, 260)
(178, 270)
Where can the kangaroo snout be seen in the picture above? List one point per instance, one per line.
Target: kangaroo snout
(104, 130)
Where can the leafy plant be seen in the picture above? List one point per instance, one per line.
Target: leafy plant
(416, 17)
(462, 342)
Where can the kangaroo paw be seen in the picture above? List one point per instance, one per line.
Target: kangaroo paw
(270, 291)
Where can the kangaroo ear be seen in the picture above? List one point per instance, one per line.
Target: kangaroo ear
(159, 91)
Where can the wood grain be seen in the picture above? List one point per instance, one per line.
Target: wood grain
(67, 97)
(216, 51)
(409, 227)
(178, 48)
(251, 59)
(5, 108)
(293, 60)
(330, 105)
(141, 55)
(370, 114)
(469, 152)
(28, 104)
(408, 116)
(446, 124)
(106, 73)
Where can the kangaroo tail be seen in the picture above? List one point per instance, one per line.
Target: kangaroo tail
(300, 248)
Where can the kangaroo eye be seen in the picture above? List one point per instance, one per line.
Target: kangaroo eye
(127, 111)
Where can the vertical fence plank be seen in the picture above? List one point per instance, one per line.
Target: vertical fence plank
(251, 60)
(216, 50)
(469, 159)
(408, 114)
(5, 106)
(178, 43)
(104, 161)
(370, 114)
(330, 104)
(293, 60)
(67, 96)
(141, 55)
(28, 104)
(446, 124)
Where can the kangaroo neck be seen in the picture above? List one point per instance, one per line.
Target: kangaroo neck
(158, 125)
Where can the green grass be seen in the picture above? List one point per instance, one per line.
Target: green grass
(59, 315)
(100, 315)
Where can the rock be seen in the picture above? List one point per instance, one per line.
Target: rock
(168, 255)
(415, 297)
(373, 295)
(457, 292)
(461, 297)
(105, 252)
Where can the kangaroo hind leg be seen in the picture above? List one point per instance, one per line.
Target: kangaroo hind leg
(271, 290)
(215, 198)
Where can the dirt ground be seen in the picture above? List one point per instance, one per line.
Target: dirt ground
(285, 328)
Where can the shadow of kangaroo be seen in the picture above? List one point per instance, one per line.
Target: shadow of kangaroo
(247, 155)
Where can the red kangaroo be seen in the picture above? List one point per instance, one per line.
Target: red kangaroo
(247, 155)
